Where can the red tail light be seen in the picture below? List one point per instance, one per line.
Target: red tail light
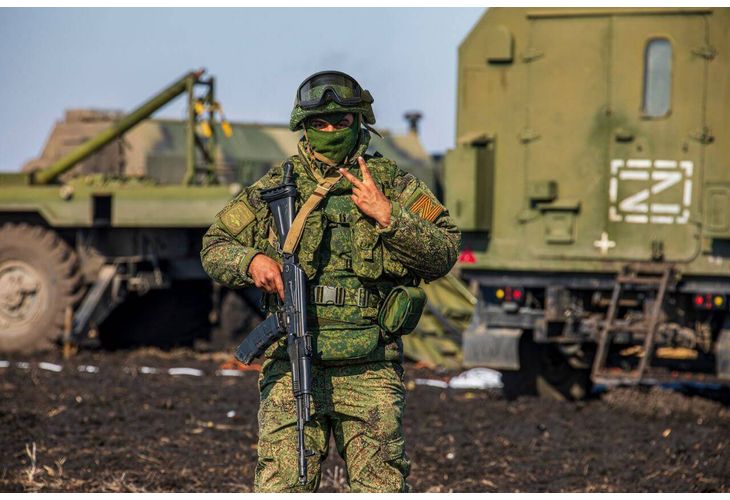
(467, 257)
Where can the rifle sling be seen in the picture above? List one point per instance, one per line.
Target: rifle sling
(297, 226)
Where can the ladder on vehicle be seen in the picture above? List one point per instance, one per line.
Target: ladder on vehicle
(631, 277)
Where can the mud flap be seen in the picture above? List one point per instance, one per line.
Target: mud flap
(722, 355)
(496, 348)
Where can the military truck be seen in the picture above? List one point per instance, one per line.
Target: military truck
(74, 247)
(591, 180)
(100, 235)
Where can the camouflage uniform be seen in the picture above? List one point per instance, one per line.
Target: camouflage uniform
(358, 394)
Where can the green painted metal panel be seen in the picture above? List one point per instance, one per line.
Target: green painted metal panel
(168, 206)
(585, 177)
(467, 169)
(654, 166)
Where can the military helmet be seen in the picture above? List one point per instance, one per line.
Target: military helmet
(330, 92)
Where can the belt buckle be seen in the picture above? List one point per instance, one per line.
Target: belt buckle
(331, 295)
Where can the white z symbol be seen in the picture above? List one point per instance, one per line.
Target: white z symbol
(636, 207)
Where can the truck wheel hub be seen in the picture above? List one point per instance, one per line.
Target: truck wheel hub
(20, 293)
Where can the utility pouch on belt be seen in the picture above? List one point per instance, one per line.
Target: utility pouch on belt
(345, 343)
(402, 309)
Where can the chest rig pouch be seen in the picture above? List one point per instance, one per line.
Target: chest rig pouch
(367, 249)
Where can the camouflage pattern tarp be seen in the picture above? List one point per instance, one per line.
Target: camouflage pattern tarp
(437, 338)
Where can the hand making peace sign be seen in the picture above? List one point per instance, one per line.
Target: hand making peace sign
(367, 196)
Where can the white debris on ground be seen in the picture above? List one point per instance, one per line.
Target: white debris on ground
(145, 370)
(51, 367)
(477, 378)
(432, 383)
(193, 372)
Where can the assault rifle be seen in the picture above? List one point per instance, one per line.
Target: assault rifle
(291, 318)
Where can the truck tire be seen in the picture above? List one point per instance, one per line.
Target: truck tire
(547, 372)
(562, 377)
(239, 315)
(523, 382)
(39, 279)
(163, 318)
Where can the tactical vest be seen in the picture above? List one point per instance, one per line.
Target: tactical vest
(349, 269)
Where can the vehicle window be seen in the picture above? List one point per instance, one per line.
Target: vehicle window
(657, 78)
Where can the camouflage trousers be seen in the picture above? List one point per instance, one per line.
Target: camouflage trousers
(360, 405)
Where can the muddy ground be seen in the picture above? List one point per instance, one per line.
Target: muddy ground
(123, 430)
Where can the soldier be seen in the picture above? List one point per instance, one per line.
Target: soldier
(377, 228)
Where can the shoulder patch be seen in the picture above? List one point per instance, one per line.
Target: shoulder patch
(425, 206)
(236, 217)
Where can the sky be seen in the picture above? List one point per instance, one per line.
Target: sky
(54, 59)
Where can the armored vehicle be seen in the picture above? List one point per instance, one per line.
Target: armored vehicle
(591, 178)
(100, 235)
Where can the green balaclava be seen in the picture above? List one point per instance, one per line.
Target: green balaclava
(335, 145)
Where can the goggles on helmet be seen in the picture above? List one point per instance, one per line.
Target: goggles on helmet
(330, 86)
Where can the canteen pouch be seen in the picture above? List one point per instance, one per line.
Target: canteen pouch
(401, 310)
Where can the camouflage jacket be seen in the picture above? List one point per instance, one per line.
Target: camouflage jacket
(341, 247)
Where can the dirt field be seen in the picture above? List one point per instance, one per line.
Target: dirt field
(123, 430)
